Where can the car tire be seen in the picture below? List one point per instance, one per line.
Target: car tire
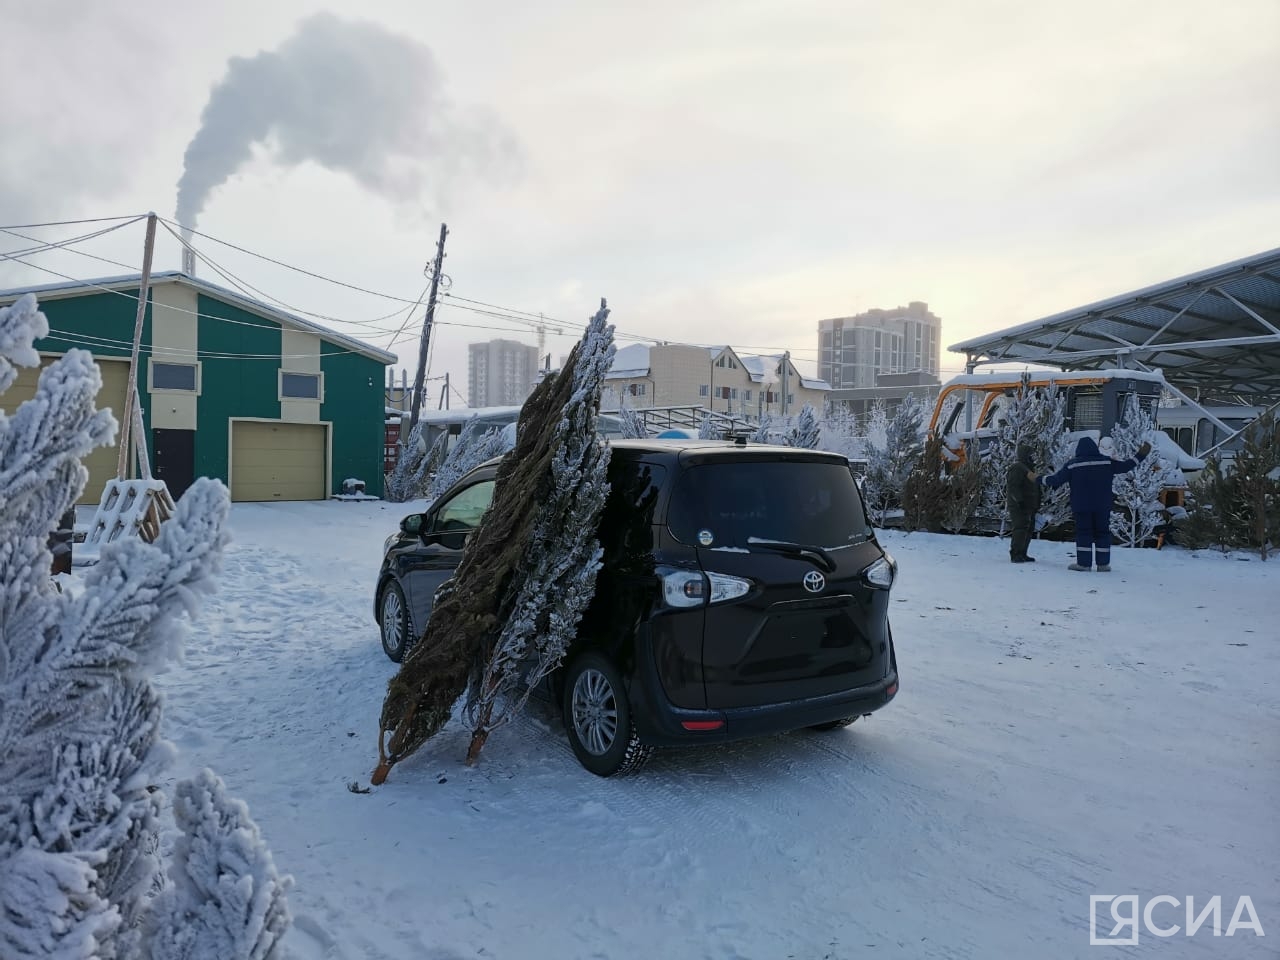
(597, 718)
(393, 622)
(834, 724)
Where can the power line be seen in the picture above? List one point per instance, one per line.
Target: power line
(48, 245)
(249, 290)
(287, 266)
(133, 217)
(90, 284)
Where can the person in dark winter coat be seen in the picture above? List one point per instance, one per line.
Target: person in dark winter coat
(1089, 472)
(1022, 494)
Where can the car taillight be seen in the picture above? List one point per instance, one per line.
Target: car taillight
(725, 587)
(683, 588)
(692, 588)
(881, 573)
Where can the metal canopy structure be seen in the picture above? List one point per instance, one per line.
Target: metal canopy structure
(1215, 333)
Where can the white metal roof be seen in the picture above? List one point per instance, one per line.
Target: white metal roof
(1217, 331)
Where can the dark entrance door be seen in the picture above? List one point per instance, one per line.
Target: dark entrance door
(175, 459)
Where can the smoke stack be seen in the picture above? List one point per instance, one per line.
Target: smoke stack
(188, 261)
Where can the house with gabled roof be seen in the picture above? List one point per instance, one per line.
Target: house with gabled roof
(274, 405)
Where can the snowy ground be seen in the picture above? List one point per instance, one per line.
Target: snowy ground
(1057, 735)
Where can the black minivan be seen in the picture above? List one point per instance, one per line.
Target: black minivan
(742, 593)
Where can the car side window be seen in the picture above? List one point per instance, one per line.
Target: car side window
(464, 510)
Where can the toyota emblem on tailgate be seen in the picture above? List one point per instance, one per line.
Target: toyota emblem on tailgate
(814, 581)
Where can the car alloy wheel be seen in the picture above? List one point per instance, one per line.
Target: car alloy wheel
(595, 712)
(598, 719)
(393, 621)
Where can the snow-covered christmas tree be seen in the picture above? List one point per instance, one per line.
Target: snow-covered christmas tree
(415, 465)
(472, 448)
(806, 432)
(563, 557)
(539, 532)
(708, 429)
(894, 445)
(80, 748)
(1137, 493)
(1034, 416)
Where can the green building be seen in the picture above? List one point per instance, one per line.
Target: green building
(275, 406)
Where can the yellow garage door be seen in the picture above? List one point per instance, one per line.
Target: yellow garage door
(277, 461)
(115, 383)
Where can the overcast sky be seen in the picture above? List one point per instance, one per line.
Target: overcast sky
(722, 170)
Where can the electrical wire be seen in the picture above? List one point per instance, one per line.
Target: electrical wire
(134, 217)
(251, 292)
(47, 245)
(93, 285)
(287, 266)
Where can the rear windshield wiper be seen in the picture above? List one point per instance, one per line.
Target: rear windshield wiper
(817, 554)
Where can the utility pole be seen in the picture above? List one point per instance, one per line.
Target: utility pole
(127, 418)
(426, 330)
(786, 364)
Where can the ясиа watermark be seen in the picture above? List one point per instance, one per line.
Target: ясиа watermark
(1116, 920)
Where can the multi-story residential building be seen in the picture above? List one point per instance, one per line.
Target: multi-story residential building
(500, 373)
(716, 378)
(856, 351)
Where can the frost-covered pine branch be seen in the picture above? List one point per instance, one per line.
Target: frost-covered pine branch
(631, 424)
(224, 897)
(412, 475)
(471, 449)
(806, 432)
(80, 750)
(563, 556)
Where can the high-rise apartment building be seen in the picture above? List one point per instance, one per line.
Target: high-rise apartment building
(500, 373)
(855, 351)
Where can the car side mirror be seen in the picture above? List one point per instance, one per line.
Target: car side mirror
(411, 525)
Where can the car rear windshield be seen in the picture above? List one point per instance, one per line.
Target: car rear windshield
(729, 504)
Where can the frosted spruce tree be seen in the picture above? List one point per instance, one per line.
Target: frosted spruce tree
(632, 424)
(1034, 416)
(563, 556)
(1256, 484)
(840, 434)
(806, 432)
(472, 614)
(80, 746)
(893, 446)
(1137, 493)
(708, 430)
(764, 430)
(471, 449)
(411, 477)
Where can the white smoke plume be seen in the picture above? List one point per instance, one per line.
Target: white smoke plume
(350, 96)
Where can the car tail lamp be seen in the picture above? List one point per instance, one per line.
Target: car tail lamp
(893, 689)
(683, 588)
(702, 726)
(693, 588)
(881, 573)
(725, 587)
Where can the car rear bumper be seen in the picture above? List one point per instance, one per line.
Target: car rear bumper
(661, 723)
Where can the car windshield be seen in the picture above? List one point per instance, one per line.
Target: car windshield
(731, 504)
